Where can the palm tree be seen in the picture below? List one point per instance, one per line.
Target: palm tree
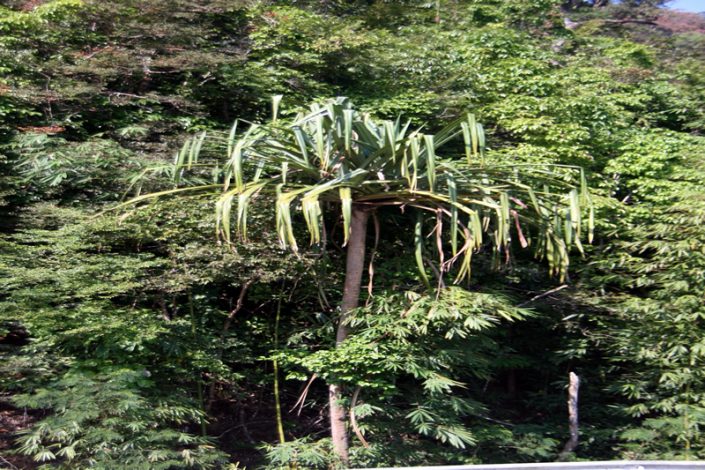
(336, 156)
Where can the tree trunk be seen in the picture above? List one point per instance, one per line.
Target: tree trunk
(354, 267)
(570, 446)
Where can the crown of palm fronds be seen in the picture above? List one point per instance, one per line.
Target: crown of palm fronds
(336, 153)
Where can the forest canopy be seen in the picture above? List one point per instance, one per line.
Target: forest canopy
(345, 233)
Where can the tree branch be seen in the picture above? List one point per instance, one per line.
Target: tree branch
(548, 292)
(353, 419)
(238, 307)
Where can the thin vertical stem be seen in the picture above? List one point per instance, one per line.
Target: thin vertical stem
(686, 421)
(199, 385)
(275, 366)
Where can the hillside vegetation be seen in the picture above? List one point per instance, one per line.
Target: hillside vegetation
(441, 210)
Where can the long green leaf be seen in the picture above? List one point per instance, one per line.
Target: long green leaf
(418, 252)
(346, 208)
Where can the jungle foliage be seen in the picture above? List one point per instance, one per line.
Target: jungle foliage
(161, 305)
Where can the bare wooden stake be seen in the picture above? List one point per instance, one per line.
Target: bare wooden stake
(572, 444)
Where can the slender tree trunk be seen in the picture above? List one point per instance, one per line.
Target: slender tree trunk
(570, 446)
(354, 267)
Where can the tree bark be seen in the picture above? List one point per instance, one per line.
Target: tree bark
(572, 444)
(354, 267)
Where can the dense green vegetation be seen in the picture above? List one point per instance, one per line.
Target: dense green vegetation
(161, 307)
